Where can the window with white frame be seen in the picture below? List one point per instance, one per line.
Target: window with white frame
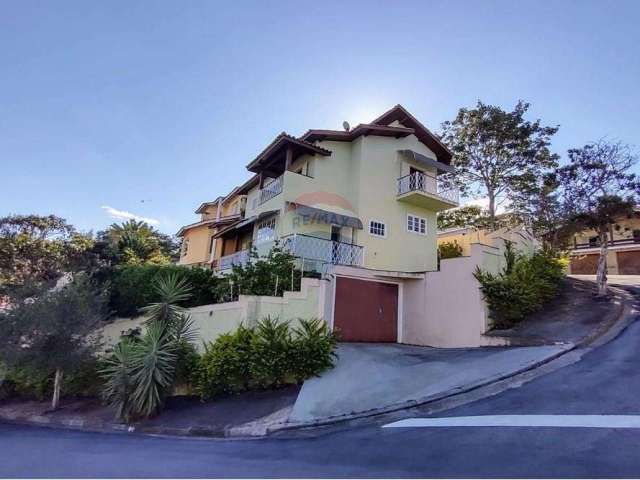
(417, 224)
(185, 247)
(377, 228)
(266, 230)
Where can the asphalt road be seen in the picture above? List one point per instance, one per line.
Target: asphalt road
(605, 381)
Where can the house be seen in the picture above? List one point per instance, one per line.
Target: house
(519, 234)
(366, 197)
(199, 246)
(623, 256)
(358, 206)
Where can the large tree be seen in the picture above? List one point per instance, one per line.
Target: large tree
(51, 333)
(459, 217)
(35, 249)
(598, 190)
(497, 153)
(136, 243)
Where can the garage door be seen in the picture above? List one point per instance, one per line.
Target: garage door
(584, 265)
(629, 263)
(366, 311)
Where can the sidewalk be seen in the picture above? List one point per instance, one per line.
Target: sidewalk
(246, 414)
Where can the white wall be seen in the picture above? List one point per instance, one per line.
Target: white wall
(454, 312)
(213, 320)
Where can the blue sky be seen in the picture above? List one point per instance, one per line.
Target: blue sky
(153, 107)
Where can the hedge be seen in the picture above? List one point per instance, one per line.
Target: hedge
(523, 287)
(132, 288)
(269, 356)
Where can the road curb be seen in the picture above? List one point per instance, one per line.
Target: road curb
(607, 332)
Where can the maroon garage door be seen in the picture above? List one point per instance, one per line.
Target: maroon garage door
(584, 265)
(366, 311)
(629, 263)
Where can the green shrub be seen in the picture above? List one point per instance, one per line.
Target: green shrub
(269, 275)
(29, 383)
(313, 349)
(132, 286)
(523, 287)
(272, 354)
(449, 250)
(227, 364)
(268, 356)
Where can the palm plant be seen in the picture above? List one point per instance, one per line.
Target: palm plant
(141, 372)
(117, 388)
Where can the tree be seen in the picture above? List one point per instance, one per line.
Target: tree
(52, 333)
(459, 217)
(597, 190)
(36, 249)
(497, 153)
(138, 243)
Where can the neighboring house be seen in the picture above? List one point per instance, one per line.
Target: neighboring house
(199, 245)
(623, 257)
(523, 239)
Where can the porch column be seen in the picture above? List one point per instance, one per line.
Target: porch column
(288, 159)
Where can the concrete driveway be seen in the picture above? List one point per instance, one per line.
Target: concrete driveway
(371, 376)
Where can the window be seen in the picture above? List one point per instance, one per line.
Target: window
(594, 241)
(417, 224)
(377, 228)
(185, 247)
(266, 230)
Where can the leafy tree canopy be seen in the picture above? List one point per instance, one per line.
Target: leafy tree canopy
(52, 332)
(497, 153)
(596, 190)
(138, 243)
(36, 249)
(459, 217)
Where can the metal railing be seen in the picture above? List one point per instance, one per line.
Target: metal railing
(228, 261)
(419, 181)
(323, 250)
(271, 190)
(613, 243)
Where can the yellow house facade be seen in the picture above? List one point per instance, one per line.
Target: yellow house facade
(522, 239)
(200, 246)
(623, 256)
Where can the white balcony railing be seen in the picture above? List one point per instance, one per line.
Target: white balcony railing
(322, 250)
(420, 182)
(238, 258)
(271, 190)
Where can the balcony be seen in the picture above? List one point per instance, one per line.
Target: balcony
(228, 261)
(423, 191)
(610, 243)
(271, 190)
(323, 251)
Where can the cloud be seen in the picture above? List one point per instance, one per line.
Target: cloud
(124, 215)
